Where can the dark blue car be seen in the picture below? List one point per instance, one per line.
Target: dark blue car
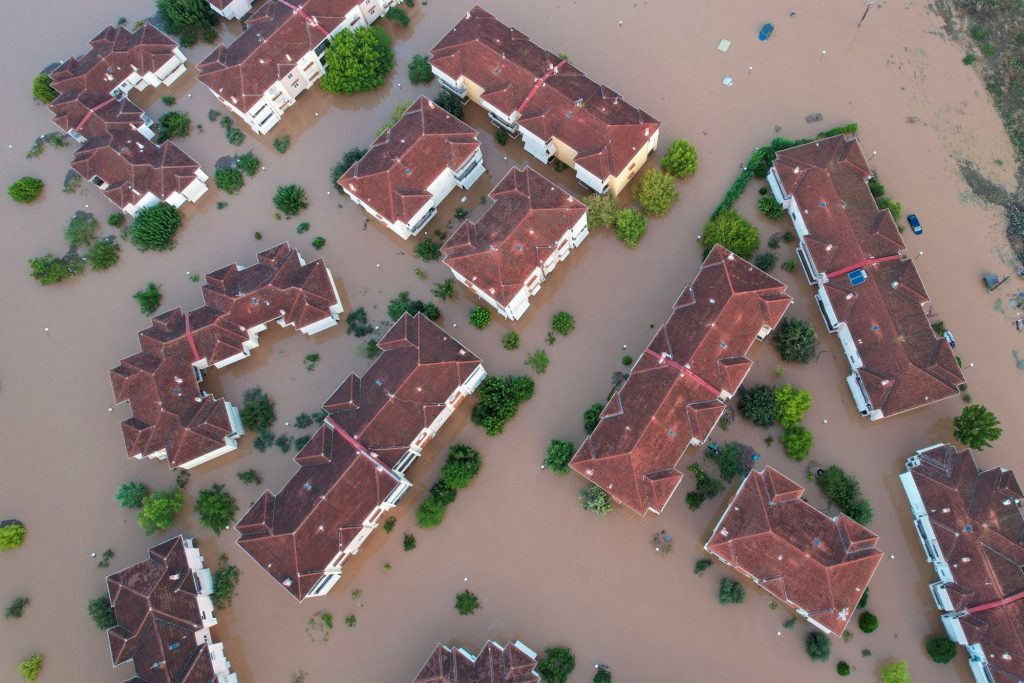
(915, 225)
(766, 32)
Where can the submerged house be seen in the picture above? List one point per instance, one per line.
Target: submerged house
(509, 663)
(818, 565)
(280, 55)
(164, 615)
(539, 95)
(675, 393)
(506, 255)
(117, 152)
(352, 470)
(172, 418)
(972, 531)
(412, 166)
(869, 293)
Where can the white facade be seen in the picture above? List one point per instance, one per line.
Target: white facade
(464, 177)
(517, 306)
(236, 9)
(167, 74)
(196, 189)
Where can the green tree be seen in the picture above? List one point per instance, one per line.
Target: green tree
(445, 289)
(103, 254)
(450, 103)
(868, 622)
(766, 261)
(655, 192)
(603, 674)
(173, 124)
(16, 609)
(601, 210)
(225, 579)
(258, 412)
(728, 459)
(131, 495)
(430, 513)
(796, 340)
(560, 452)
(976, 427)
(115, 219)
(216, 508)
(49, 270)
(896, 672)
(758, 405)
(538, 360)
(419, 70)
(770, 208)
(357, 60)
(563, 323)
(480, 317)
(842, 668)
(31, 667)
(462, 465)
(190, 20)
(154, 228)
(229, 179)
(398, 15)
(791, 405)
(102, 613)
(466, 602)
(941, 649)
(797, 442)
(843, 491)
(159, 509)
(248, 163)
(680, 159)
(895, 208)
(12, 535)
(555, 665)
(25, 189)
(499, 399)
(510, 341)
(396, 113)
(291, 199)
(630, 227)
(409, 542)
(819, 649)
(42, 90)
(350, 157)
(282, 143)
(428, 250)
(402, 304)
(149, 298)
(250, 477)
(596, 499)
(733, 232)
(592, 416)
(730, 592)
(82, 230)
(701, 566)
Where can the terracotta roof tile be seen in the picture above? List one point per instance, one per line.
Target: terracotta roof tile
(801, 556)
(494, 664)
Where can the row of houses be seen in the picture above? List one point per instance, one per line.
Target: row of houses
(353, 469)
(869, 292)
(495, 663)
(172, 418)
(118, 153)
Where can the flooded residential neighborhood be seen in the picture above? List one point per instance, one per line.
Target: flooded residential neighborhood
(546, 573)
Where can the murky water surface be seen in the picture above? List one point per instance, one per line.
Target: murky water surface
(545, 572)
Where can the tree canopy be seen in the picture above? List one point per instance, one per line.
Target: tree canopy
(229, 179)
(190, 20)
(419, 70)
(499, 399)
(941, 649)
(216, 508)
(102, 613)
(154, 228)
(42, 90)
(25, 189)
(796, 340)
(595, 499)
(560, 452)
(291, 199)
(976, 427)
(131, 495)
(159, 509)
(12, 535)
(655, 192)
(462, 465)
(680, 159)
(174, 124)
(258, 412)
(357, 60)
(819, 648)
(555, 665)
(896, 672)
(630, 227)
(758, 405)
(601, 210)
(733, 232)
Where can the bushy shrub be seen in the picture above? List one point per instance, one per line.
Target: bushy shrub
(282, 143)
(592, 416)
(733, 232)
(224, 581)
(103, 254)
(258, 412)
(766, 261)
(42, 90)
(31, 667)
(560, 452)
(357, 60)
(596, 499)
(680, 159)
(868, 622)
(791, 405)
(630, 227)
(976, 427)
(49, 270)
(102, 613)
(402, 304)
(350, 157)
(843, 669)
(563, 323)
(896, 672)
(291, 199)
(499, 399)
(230, 180)
(510, 341)
(730, 592)
(250, 477)
(466, 602)
(159, 509)
(173, 124)
(796, 340)
(818, 646)
(758, 405)
(81, 230)
(895, 208)
(941, 649)
(149, 298)
(601, 210)
(769, 208)
(216, 508)
(248, 163)
(462, 465)
(428, 250)
(656, 192)
(480, 317)
(701, 566)
(408, 542)
(131, 495)
(728, 459)
(12, 535)
(797, 442)
(538, 360)
(450, 103)
(154, 228)
(555, 665)
(430, 513)
(25, 190)
(419, 70)
(397, 15)
(843, 491)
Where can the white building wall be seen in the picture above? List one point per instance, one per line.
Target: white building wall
(235, 9)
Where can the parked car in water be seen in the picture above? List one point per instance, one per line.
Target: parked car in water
(766, 32)
(915, 225)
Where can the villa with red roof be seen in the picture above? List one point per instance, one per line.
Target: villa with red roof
(511, 663)
(118, 154)
(869, 293)
(413, 166)
(172, 418)
(675, 393)
(352, 470)
(818, 565)
(529, 229)
(972, 530)
(559, 112)
(164, 615)
(280, 55)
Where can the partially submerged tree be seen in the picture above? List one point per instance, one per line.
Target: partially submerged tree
(796, 340)
(154, 228)
(25, 189)
(102, 613)
(159, 509)
(131, 495)
(357, 60)
(733, 232)
(258, 412)
(291, 199)
(555, 665)
(216, 508)
(655, 192)
(42, 90)
(976, 427)
(560, 452)
(680, 159)
(12, 535)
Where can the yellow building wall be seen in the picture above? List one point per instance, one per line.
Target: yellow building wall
(617, 184)
(564, 153)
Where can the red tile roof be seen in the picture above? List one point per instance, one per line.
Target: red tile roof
(905, 364)
(673, 393)
(169, 411)
(116, 152)
(605, 130)
(981, 539)
(155, 602)
(345, 471)
(494, 664)
(277, 35)
(804, 558)
(516, 234)
(393, 177)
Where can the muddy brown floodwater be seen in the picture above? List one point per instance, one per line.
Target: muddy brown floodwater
(545, 572)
